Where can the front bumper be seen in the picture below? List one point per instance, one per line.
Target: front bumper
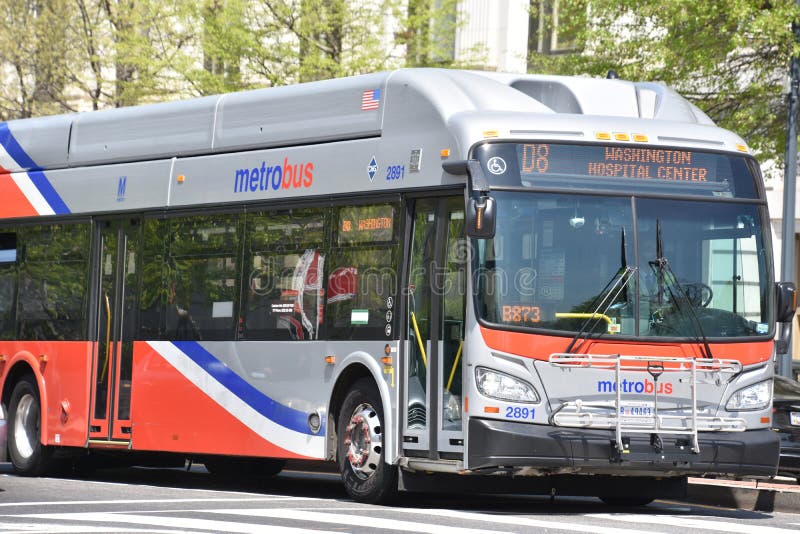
(790, 454)
(494, 444)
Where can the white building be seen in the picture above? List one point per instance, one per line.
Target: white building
(500, 28)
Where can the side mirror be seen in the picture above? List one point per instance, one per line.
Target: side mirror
(481, 219)
(785, 301)
(481, 216)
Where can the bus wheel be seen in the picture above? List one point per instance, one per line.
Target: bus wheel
(27, 454)
(626, 501)
(367, 478)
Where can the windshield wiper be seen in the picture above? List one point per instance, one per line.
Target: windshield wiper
(679, 297)
(610, 294)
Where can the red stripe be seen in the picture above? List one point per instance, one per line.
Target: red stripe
(14, 203)
(172, 414)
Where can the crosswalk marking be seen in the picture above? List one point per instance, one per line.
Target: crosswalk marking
(432, 528)
(177, 522)
(267, 498)
(305, 517)
(355, 520)
(40, 528)
(555, 523)
(693, 522)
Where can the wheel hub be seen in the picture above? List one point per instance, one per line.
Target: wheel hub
(364, 441)
(25, 425)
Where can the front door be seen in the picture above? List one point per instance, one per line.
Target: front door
(436, 289)
(116, 274)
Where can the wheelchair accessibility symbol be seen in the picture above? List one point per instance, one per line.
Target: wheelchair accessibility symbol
(496, 165)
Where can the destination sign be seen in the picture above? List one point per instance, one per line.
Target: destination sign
(366, 224)
(618, 162)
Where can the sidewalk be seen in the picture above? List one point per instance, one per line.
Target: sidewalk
(761, 496)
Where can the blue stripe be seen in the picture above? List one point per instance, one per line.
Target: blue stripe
(37, 177)
(14, 149)
(48, 192)
(283, 415)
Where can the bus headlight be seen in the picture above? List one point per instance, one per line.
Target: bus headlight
(753, 397)
(501, 386)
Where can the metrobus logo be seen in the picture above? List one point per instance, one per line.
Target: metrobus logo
(274, 177)
(634, 386)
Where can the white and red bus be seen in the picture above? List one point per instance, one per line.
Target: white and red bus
(426, 276)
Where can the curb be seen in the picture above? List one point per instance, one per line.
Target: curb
(755, 496)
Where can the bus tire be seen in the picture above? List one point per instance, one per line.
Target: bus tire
(26, 452)
(360, 453)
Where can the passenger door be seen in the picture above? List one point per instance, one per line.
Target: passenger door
(436, 287)
(116, 275)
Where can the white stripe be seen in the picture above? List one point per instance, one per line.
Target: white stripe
(33, 195)
(50, 528)
(146, 501)
(304, 444)
(555, 523)
(351, 520)
(6, 161)
(177, 522)
(693, 522)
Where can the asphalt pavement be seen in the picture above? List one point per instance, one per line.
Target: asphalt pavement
(780, 494)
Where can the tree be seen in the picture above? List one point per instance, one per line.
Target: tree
(112, 53)
(216, 36)
(730, 57)
(35, 79)
(429, 30)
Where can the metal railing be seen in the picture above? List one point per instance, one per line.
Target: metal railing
(648, 420)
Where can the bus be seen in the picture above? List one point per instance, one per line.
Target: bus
(437, 279)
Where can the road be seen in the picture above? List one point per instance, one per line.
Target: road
(173, 500)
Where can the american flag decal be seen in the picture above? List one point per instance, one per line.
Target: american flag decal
(370, 99)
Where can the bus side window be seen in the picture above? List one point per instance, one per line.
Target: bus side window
(362, 273)
(285, 260)
(202, 277)
(53, 282)
(8, 285)
(152, 301)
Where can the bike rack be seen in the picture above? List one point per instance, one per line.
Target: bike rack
(606, 414)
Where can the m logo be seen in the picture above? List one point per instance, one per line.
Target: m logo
(121, 188)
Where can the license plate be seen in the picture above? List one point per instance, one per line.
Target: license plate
(637, 413)
(794, 417)
(646, 409)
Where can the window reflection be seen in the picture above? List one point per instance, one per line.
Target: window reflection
(285, 257)
(194, 262)
(362, 274)
(53, 271)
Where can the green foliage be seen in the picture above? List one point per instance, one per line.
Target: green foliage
(730, 57)
(109, 53)
(32, 43)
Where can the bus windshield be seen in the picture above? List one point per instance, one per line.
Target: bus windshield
(645, 267)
